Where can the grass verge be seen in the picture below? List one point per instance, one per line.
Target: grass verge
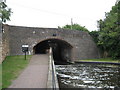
(12, 67)
(0, 76)
(102, 60)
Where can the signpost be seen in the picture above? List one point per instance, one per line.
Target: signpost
(25, 49)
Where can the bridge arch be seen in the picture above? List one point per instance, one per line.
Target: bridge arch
(62, 50)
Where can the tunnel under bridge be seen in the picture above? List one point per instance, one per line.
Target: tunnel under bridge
(61, 49)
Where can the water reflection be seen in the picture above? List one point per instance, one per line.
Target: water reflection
(89, 76)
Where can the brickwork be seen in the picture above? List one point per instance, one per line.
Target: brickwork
(83, 45)
(5, 41)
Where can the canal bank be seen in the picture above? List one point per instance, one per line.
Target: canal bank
(96, 62)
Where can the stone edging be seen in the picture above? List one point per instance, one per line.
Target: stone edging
(97, 62)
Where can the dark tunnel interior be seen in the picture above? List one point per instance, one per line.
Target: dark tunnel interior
(61, 50)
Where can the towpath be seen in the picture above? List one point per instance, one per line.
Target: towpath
(35, 75)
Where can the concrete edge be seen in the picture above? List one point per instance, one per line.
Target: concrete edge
(49, 81)
(52, 71)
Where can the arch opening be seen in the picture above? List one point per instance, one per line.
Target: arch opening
(61, 50)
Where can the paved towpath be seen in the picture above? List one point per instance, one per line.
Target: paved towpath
(35, 75)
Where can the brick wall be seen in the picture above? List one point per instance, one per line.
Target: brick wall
(16, 36)
(5, 41)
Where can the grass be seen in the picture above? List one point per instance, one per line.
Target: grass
(102, 60)
(0, 76)
(12, 67)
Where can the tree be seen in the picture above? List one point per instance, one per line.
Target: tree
(95, 35)
(75, 27)
(5, 12)
(108, 36)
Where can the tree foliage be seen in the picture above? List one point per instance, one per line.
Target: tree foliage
(75, 27)
(108, 36)
(5, 12)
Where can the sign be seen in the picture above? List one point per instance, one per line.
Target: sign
(25, 48)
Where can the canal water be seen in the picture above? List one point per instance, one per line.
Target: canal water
(88, 76)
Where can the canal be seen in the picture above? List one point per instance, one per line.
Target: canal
(89, 76)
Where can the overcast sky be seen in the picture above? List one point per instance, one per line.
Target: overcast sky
(54, 13)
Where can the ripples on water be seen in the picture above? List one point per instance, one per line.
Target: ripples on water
(88, 76)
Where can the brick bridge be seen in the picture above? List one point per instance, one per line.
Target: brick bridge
(68, 45)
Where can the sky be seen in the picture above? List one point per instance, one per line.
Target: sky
(54, 13)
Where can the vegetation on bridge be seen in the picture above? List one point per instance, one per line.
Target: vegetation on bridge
(12, 67)
(75, 27)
